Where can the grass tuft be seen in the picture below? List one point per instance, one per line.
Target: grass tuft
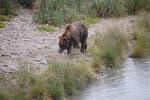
(90, 20)
(66, 11)
(6, 6)
(47, 28)
(58, 81)
(2, 25)
(142, 34)
(68, 78)
(4, 18)
(109, 47)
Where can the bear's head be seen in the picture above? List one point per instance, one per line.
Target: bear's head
(64, 43)
(65, 39)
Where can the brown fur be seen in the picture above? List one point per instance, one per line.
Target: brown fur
(72, 35)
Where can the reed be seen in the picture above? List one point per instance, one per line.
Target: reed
(110, 47)
(142, 35)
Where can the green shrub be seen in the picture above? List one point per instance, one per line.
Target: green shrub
(108, 8)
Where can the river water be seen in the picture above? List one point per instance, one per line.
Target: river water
(131, 81)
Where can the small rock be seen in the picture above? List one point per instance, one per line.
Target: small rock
(4, 55)
(13, 53)
(5, 65)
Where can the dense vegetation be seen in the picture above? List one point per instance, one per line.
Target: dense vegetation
(6, 6)
(64, 11)
(58, 12)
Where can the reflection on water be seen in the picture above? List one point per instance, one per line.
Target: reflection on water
(129, 82)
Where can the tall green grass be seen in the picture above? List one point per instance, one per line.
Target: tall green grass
(117, 8)
(58, 12)
(108, 8)
(142, 34)
(6, 6)
(47, 28)
(68, 78)
(4, 18)
(133, 6)
(60, 80)
(64, 11)
(110, 47)
(28, 86)
(2, 25)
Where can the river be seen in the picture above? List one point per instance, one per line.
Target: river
(131, 81)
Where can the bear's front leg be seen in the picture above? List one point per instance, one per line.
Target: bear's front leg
(83, 46)
(69, 47)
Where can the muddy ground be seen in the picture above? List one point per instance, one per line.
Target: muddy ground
(22, 44)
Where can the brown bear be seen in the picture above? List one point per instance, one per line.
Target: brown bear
(72, 35)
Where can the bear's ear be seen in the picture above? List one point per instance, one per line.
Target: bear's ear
(65, 38)
(67, 27)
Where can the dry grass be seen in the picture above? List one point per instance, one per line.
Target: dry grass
(60, 80)
(109, 47)
(142, 35)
